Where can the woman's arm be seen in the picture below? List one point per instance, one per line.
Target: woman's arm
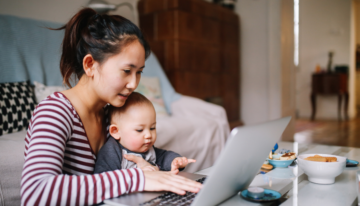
(42, 180)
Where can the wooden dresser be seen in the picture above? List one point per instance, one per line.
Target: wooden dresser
(197, 43)
(330, 84)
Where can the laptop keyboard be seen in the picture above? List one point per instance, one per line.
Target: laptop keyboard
(170, 198)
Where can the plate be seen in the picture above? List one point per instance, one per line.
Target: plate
(269, 195)
(351, 163)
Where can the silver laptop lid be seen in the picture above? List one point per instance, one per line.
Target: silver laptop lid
(239, 162)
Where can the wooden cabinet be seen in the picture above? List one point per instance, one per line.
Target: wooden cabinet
(197, 43)
(330, 84)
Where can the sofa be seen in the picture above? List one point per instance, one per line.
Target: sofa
(31, 53)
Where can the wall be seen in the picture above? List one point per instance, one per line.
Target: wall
(254, 60)
(324, 25)
(262, 43)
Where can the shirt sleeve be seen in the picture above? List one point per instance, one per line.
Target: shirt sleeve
(164, 158)
(43, 182)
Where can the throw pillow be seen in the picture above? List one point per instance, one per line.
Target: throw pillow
(42, 91)
(150, 88)
(17, 103)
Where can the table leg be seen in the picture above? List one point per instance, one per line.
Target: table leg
(339, 106)
(313, 106)
(346, 105)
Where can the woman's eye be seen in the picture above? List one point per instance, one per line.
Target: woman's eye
(139, 130)
(152, 128)
(127, 71)
(139, 72)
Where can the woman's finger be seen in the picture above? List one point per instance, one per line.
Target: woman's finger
(160, 181)
(133, 158)
(180, 183)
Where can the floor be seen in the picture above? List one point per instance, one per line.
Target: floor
(341, 133)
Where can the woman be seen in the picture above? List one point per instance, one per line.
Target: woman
(107, 55)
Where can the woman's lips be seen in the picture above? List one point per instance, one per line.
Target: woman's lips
(123, 96)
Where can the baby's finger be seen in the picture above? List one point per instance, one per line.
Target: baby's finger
(191, 160)
(175, 172)
(183, 161)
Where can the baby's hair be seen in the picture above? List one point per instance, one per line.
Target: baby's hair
(133, 99)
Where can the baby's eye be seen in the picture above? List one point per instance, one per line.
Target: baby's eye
(127, 71)
(139, 130)
(152, 128)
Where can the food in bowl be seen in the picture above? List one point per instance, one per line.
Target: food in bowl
(277, 162)
(285, 156)
(288, 156)
(319, 158)
(322, 172)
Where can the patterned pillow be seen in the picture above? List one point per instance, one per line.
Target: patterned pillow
(150, 88)
(42, 91)
(17, 101)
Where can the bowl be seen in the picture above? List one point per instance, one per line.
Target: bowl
(322, 172)
(279, 163)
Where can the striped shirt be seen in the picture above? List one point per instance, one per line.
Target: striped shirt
(59, 161)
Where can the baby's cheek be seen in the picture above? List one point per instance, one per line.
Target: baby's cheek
(136, 144)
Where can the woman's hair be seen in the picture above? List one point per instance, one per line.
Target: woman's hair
(100, 35)
(133, 99)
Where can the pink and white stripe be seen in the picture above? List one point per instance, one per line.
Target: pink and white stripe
(59, 161)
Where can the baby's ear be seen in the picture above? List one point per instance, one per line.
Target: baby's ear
(114, 131)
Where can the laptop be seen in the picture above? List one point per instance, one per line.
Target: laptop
(245, 151)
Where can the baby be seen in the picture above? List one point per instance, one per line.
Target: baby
(133, 131)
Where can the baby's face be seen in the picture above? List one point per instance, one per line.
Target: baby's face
(137, 128)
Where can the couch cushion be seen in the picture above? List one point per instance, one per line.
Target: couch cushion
(154, 69)
(11, 165)
(17, 101)
(42, 91)
(150, 88)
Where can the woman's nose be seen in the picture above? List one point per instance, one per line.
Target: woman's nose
(132, 82)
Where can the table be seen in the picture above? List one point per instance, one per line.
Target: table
(330, 84)
(293, 183)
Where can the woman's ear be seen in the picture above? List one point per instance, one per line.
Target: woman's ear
(89, 65)
(114, 132)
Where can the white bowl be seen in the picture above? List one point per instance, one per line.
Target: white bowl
(322, 172)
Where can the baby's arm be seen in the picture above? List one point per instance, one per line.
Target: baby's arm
(109, 157)
(171, 161)
(164, 158)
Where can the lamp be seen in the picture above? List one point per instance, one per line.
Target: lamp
(103, 7)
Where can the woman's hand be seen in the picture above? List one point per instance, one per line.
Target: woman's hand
(156, 180)
(180, 162)
(167, 181)
(141, 163)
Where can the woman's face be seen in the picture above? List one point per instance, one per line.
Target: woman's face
(120, 74)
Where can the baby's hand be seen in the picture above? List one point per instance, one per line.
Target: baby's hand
(180, 162)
